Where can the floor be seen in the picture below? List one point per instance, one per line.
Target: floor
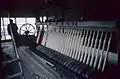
(34, 67)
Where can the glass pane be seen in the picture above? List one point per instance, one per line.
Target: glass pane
(31, 20)
(2, 31)
(41, 27)
(2, 38)
(41, 19)
(19, 25)
(20, 20)
(13, 19)
(6, 34)
(6, 21)
(44, 18)
(5, 29)
(1, 21)
(1, 27)
(45, 27)
(8, 37)
(35, 33)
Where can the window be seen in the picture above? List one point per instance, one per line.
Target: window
(41, 19)
(1, 21)
(2, 31)
(5, 21)
(44, 18)
(30, 20)
(19, 21)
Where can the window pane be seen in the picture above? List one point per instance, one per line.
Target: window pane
(44, 18)
(41, 19)
(31, 20)
(2, 31)
(45, 27)
(5, 28)
(2, 38)
(1, 21)
(6, 21)
(13, 19)
(20, 20)
(19, 25)
(1, 27)
(8, 37)
(41, 27)
(6, 33)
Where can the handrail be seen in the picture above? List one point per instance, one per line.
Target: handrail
(15, 48)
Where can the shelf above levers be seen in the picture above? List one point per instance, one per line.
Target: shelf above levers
(101, 24)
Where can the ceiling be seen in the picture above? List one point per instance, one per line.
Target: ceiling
(89, 9)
